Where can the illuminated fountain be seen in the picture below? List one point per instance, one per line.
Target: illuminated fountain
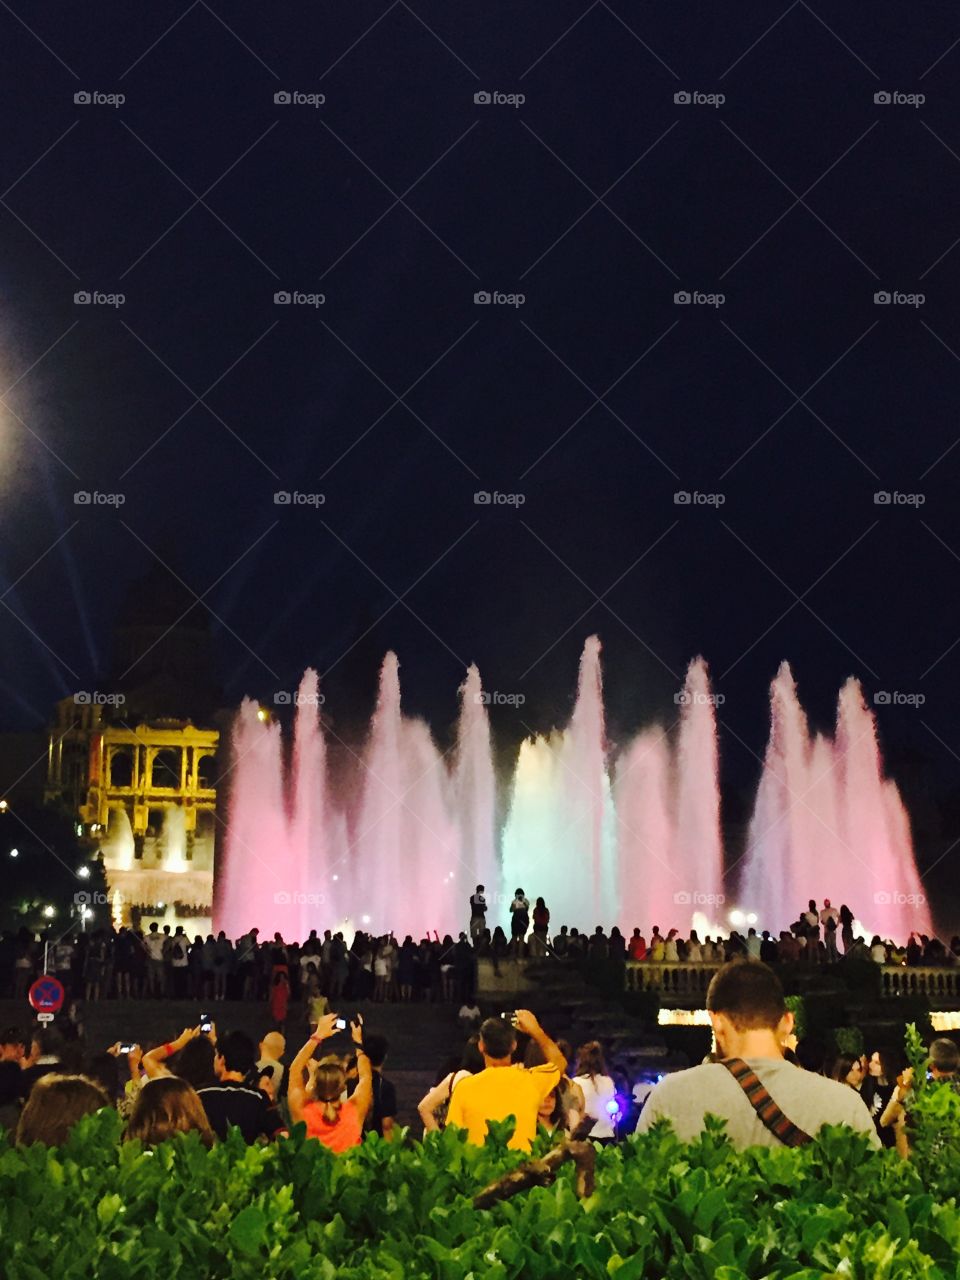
(559, 839)
(668, 818)
(828, 823)
(628, 837)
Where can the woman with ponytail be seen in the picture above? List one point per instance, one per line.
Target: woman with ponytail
(320, 1101)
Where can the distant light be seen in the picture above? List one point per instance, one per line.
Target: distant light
(336, 877)
(752, 918)
(14, 853)
(84, 873)
(161, 905)
(364, 919)
(86, 913)
(683, 1018)
(3, 806)
(262, 714)
(737, 917)
(49, 912)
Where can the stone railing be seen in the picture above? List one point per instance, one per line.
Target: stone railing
(939, 985)
(671, 980)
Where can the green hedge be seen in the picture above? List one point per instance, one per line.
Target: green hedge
(96, 1208)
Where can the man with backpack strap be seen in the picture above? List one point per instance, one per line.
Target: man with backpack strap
(764, 1099)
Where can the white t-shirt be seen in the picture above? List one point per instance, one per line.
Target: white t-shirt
(154, 945)
(829, 913)
(694, 953)
(879, 953)
(597, 1092)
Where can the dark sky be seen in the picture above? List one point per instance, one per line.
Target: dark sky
(798, 198)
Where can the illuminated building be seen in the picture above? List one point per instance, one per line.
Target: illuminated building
(130, 764)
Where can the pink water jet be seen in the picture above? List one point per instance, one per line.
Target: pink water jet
(827, 823)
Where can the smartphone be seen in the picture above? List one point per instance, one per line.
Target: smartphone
(127, 1048)
(341, 1024)
(206, 1023)
(510, 1016)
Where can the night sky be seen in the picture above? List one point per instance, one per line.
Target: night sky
(798, 198)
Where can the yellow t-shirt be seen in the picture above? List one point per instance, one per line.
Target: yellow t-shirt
(498, 1092)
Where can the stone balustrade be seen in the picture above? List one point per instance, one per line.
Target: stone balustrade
(939, 984)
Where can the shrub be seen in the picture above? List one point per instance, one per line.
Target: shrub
(403, 1211)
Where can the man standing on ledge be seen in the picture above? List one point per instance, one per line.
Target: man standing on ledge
(478, 914)
(503, 1088)
(765, 1100)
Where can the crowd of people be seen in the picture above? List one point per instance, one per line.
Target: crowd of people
(157, 962)
(767, 1088)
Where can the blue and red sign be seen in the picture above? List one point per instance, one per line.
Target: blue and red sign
(46, 995)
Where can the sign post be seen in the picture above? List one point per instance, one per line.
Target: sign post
(46, 997)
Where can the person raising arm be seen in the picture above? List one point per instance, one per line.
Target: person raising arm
(154, 1061)
(503, 1089)
(318, 1102)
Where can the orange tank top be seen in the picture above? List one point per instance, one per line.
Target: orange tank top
(343, 1133)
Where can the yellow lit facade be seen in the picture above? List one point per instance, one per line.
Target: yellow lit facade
(145, 796)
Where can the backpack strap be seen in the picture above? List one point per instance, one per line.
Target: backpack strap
(765, 1107)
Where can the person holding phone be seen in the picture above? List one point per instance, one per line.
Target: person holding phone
(503, 1088)
(320, 1100)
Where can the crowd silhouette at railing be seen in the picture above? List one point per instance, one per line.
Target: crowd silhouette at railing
(166, 962)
